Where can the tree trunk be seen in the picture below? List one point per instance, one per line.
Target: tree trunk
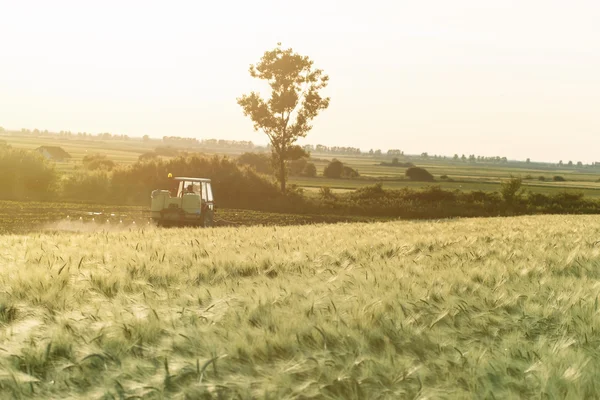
(282, 174)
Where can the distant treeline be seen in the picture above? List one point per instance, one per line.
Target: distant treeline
(219, 143)
(28, 176)
(197, 144)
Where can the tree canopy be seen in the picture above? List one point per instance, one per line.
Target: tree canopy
(295, 101)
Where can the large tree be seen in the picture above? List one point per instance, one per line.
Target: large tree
(295, 101)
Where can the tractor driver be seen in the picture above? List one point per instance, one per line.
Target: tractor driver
(190, 188)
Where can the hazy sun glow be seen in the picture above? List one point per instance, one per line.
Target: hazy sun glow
(509, 78)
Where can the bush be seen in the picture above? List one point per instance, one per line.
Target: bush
(349, 172)
(97, 161)
(419, 174)
(26, 175)
(558, 178)
(296, 167)
(431, 194)
(568, 197)
(334, 169)
(538, 199)
(432, 202)
(302, 167)
(91, 186)
(310, 170)
(233, 186)
(541, 178)
(260, 162)
(477, 196)
(294, 190)
(337, 170)
(148, 156)
(369, 192)
(326, 193)
(510, 189)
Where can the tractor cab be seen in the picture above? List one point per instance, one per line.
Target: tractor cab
(188, 202)
(197, 186)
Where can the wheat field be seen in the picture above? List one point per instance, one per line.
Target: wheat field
(479, 308)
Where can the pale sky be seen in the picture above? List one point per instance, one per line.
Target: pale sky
(486, 77)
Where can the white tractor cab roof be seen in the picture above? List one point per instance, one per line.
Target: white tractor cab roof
(192, 179)
(199, 186)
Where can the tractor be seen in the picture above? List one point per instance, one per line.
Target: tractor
(189, 202)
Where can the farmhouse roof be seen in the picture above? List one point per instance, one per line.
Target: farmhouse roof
(54, 151)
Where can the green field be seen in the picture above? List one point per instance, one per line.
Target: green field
(462, 176)
(119, 151)
(341, 185)
(124, 152)
(480, 308)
